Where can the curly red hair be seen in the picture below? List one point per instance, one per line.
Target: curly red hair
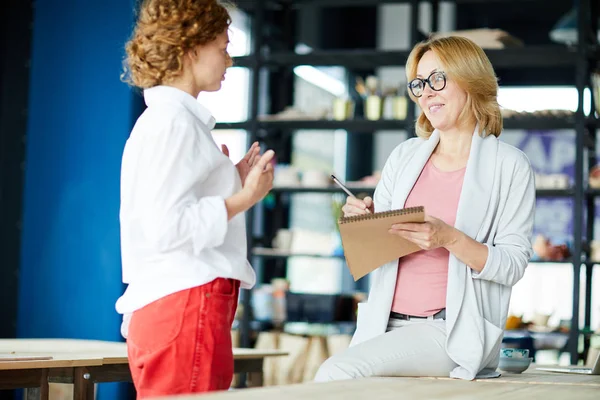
(165, 31)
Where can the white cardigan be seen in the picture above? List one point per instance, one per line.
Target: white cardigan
(496, 208)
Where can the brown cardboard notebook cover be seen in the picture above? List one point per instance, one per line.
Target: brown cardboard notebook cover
(367, 242)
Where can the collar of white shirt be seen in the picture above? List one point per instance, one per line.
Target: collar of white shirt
(168, 94)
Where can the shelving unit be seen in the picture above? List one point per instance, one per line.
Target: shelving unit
(367, 126)
(272, 253)
(540, 193)
(538, 57)
(578, 61)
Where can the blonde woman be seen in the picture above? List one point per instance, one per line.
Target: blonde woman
(441, 311)
(183, 234)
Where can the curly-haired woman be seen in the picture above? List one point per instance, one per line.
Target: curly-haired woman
(183, 234)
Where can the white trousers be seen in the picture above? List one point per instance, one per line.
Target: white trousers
(408, 348)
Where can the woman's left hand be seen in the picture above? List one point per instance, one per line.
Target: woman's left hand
(246, 163)
(428, 235)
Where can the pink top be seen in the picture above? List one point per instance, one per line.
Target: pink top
(423, 276)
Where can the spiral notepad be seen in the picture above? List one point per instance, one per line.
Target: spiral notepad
(367, 242)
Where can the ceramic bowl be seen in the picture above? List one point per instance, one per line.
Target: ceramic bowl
(514, 365)
(514, 353)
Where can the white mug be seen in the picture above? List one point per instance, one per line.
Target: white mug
(283, 240)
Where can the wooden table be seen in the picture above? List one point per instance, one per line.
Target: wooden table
(86, 362)
(531, 385)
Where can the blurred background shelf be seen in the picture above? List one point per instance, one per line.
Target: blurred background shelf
(366, 126)
(275, 253)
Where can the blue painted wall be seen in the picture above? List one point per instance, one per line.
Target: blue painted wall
(80, 115)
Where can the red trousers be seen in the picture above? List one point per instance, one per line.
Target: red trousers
(182, 343)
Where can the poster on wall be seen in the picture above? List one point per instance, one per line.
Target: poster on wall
(550, 152)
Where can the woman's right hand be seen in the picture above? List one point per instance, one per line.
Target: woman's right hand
(259, 180)
(356, 206)
(257, 184)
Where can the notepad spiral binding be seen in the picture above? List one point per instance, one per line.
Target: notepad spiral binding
(384, 214)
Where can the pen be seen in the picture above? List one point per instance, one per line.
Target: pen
(344, 188)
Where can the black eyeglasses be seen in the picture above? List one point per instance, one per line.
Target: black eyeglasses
(436, 81)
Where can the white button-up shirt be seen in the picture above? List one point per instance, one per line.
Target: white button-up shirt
(174, 182)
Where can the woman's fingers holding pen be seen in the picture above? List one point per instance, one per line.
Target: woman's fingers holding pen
(356, 206)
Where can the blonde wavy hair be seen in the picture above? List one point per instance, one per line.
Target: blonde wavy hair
(466, 64)
(165, 31)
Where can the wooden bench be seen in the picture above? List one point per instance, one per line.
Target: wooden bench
(86, 362)
(532, 385)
